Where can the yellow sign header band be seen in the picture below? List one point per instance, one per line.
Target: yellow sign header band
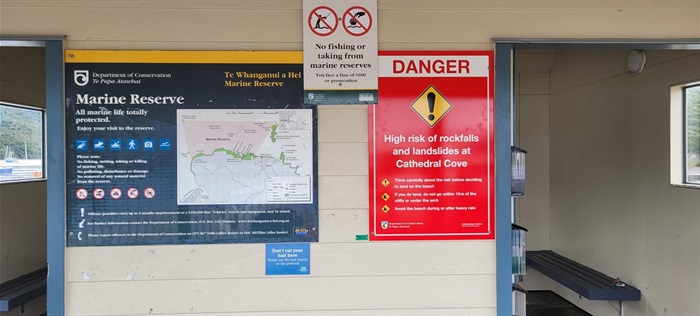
(184, 57)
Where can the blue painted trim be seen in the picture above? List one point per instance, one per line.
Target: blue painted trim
(504, 95)
(55, 183)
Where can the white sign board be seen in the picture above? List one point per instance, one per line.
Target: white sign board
(340, 52)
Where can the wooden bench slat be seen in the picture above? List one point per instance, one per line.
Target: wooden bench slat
(25, 278)
(20, 290)
(579, 281)
(588, 282)
(596, 278)
(27, 294)
(592, 277)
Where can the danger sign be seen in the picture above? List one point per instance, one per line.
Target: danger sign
(434, 66)
(431, 147)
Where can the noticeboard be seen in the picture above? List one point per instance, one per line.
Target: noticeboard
(167, 147)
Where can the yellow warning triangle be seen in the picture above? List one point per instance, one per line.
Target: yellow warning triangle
(431, 106)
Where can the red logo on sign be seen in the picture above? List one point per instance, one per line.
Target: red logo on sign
(323, 21)
(357, 21)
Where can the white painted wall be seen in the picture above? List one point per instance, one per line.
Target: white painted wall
(532, 134)
(23, 205)
(348, 277)
(611, 204)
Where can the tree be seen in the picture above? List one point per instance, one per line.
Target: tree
(692, 125)
(20, 127)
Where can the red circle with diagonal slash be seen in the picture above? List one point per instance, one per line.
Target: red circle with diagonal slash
(361, 28)
(322, 21)
(81, 194)
(132, 193)
(149, 193)
(115, 193)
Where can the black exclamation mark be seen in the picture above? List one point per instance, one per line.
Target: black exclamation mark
(431, 105)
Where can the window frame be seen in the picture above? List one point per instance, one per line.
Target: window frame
(43, 142)
(678, 134)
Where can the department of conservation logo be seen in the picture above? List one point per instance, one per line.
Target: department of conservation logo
(81, 77)
(385, 224)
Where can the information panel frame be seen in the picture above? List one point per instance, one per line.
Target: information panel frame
(189, 147)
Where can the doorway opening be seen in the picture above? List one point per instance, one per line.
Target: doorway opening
(596, 120)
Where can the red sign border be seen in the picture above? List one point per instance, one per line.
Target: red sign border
(373, 180)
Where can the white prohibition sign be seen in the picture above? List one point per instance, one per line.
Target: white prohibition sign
(132, 193)
(81, 194)
(323, 21)
(149, 193)
(357, 21)
(98, 193)
(115, 193)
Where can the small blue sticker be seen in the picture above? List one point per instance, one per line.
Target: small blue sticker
(149, 144)
(98, 144)
(132, 144)
(115, 144)
(164, 144)
(81, 144)
(286, 259)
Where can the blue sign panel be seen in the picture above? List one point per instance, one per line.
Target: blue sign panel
(285, 259)
(222, 150)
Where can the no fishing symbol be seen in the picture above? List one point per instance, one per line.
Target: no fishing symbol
(323, 21)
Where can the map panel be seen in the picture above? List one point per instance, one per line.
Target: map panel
(244, 156)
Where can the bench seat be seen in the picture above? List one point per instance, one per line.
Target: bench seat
(583, 280)
(18, 291)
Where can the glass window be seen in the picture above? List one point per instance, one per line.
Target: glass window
(691, 107)
(21, 143)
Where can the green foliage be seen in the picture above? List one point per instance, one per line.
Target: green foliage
(692, 114)
(17, 127)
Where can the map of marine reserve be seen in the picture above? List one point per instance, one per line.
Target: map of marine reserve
(249, 156)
